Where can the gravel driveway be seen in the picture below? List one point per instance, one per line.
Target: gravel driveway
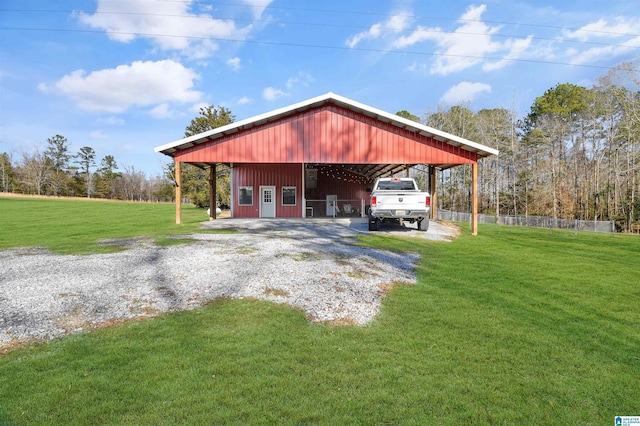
(311, 265)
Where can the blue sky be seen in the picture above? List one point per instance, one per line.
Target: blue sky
(125, 76)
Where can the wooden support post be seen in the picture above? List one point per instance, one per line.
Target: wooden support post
(432, 190)
(178, 178)
(474, 202)
(212, 192)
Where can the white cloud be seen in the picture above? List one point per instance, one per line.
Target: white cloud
(468, 45)
(195, 108)
(118, 89)
(161, 111)
(271, 93)
(603, 29)
(416, 67)
(515, 48)
(419, 35)
(112, 121)
(98, 134)
(595, 54)
(167, 24)
(245, 100)
(464, 92)
(395, 24)
(302, 78)
(258, 6)
(234, 63)
(624, 30)
(200, 50)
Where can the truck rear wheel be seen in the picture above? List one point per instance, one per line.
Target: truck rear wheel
(423, 224)
(373, 224)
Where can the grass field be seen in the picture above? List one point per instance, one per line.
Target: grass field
(75, 226)
(514, 326)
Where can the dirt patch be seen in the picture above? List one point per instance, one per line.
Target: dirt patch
(386, 288)
(127, 243)
(453, 229)
(74, 320)
(276, 292)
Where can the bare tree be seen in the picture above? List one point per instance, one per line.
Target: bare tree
(132, 184)
(6, 172)
(496, 129)
(36, 172)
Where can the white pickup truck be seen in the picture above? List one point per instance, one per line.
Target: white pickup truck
(397, 200)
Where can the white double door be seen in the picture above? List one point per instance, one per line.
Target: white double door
(267, 201)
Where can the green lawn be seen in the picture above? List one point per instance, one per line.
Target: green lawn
(514, 326)
(74, 226)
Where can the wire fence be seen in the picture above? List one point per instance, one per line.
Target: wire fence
(533, 221)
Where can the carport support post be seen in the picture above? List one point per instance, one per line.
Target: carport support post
(432, 190)
(178, 173)
(474, 203)
(212, 192)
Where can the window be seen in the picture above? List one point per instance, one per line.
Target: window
(399, 185)
(245, 196)
(288, 195)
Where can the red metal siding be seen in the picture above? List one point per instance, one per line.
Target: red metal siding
(327, 134)
(349, 187)
(277, 175)
(331, 182)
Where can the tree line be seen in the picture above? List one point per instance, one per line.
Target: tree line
(575, 155)
(58, 172)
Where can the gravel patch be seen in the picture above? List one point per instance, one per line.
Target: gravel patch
(44, 296)
(331, 228)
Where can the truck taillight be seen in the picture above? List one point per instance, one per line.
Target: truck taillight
(427, 201)
(373, 201)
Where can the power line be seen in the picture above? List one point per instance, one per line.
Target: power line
(425, 30)
(408, 15)
(304, 45)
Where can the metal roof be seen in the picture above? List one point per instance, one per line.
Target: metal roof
(481, 150)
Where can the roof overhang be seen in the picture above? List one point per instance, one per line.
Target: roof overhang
(481, 150)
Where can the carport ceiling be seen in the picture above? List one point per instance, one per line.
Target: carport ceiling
(369, 171)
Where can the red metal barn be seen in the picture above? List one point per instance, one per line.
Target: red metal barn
(319, 157)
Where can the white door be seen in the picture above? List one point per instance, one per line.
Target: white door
(332, 200)
(267, 201)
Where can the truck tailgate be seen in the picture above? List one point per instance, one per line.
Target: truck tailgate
(400, 201)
